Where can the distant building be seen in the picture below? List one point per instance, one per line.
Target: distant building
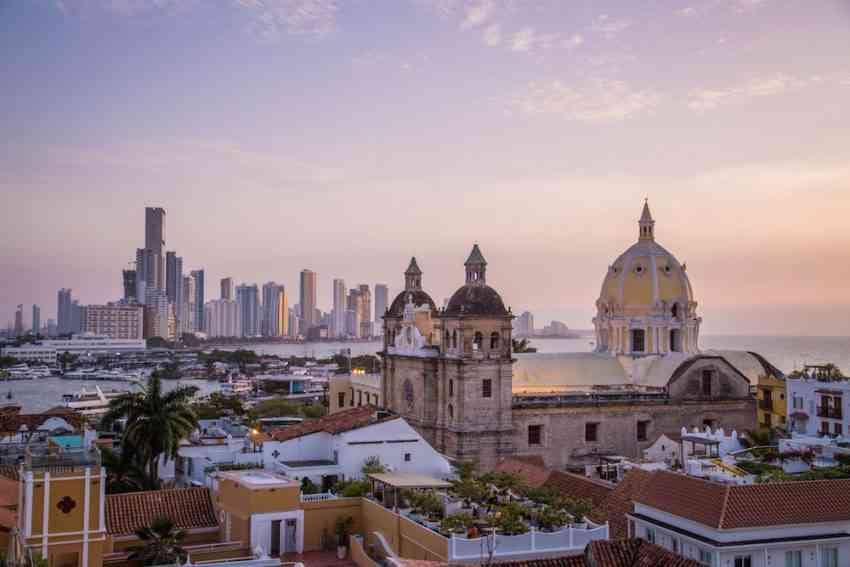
(36, 319)
(222, 318)
(524, 326)
(128, 278)
(274, 311)
(248, 298)
(115, 321)
(51, 327)
(307, 298)
(155, 242)
(64, 311)
(294, 323)
(354, 313)
(339, 308)
(365, 311)
(227, 288)
(556, 329)
(159, 315)
(382, 295)
(19, 321)
(174, 286)
(149, 275)
(188, 311)
(198, 276)
(817, 406)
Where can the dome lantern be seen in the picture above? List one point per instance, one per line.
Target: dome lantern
(413, 276)
(646, 224)
(476, 267)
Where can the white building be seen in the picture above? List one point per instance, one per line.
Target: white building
(115, 320)
(222, 318)
(336, 447)
(47, 351)
(817, 407)
(795, 524)
(31, 353)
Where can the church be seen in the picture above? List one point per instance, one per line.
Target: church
(452, 374)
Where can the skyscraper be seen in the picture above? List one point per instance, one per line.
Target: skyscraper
(270, 319)
(148, 272)
(129, 279)
(365, 311)
(36, 319)
(174, 286)
(227, 288)
(248, 298)
(198, 277)
(222, 318)
(187, 316)
(159, 315)
(307, 300)
(155, 242)
(382, 295)
(354, 313)
(19, 321)
(64, 313)
(339, 308)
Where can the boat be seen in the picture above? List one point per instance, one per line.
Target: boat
(90, 403)
(239, 387)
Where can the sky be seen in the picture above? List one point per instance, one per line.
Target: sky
(345, 136)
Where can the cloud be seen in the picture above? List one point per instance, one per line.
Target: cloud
(527, 39)
(493, 35)
(702, 100)
(522, 40)
(608, 27)
(599, 100)
(573, 41)
(272, 19)
(477, 13)
(120, 7)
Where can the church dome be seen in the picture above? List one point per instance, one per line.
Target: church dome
(645, 277)
(476, 297)
(420, 297)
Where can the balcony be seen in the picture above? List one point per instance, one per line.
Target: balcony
(830, 412)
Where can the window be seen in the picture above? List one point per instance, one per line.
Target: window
(638, 337)
(650, 535)
(494, 341)
(794, 558)
(451, 412)
(487, 388)
(707, 375)
(836, 429)
(675, 340)
(705, 557)
(351, 399)
(454, 339)
(451, 387)
(535, 434)
(341, 399)
(829, 557)
(477, 341)
(743, 561)
(359, 397)
(674, 545)
(448, 338)
(407, 457)
(590, 432)
(642, 427)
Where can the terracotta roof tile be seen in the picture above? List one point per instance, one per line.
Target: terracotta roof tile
(188, 508)
(564, 561)
(11, 420)
(620, 501)
(531, 474)
(633, 553)
(743, 506)
(577, 486)
(9, 492)
(334, 423)
(8, 519)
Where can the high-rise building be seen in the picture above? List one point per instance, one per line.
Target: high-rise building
(524, 326)
(78, 317)
(155, 242)
(188, 311)
(158, 316)
(275, 311)
(227, 288)
(51, 328)
(198, 276)
(36, 319)
(339, 308)
(64, 313)
(222, 318)
(354, 314)
(365, 311)
(174, 286)
(382, 298)
(294, 322)
(307, 300)
(129, 280)
(149, 269)
(19, 321)
(115, 320)
(248, 298)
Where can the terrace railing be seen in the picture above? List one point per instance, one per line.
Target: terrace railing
(504, 546)
(318, 497)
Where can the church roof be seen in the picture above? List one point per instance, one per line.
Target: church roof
(646, 215)
(475, 257)
(420, 297)
(413, 268)
(476, 299)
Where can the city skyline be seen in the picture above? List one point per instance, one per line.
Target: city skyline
(534, 129)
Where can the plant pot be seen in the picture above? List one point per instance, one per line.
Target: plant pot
(340, 551)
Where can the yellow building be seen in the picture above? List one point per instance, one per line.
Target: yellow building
(772, 405)
(354, 390)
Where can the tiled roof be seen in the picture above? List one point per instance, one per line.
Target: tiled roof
(633, 553)
(620, 501)
(334, 423)
(188, 508)
(530, 474)
(9, 471)
(744, 506)
(9, 492)
(577, 486)
(563, 561)
(11, 420)
(8, 519)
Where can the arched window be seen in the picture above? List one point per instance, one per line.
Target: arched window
(477, 341)
(451, 412)
(675, 340)
(451, 387)
(448, 338)
(674, 311)
(494, 341)
(454, 338)
(638, 340)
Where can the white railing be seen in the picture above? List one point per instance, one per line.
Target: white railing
(568, 539)
(318, 497)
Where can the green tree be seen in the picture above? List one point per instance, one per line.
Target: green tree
(217, 405)
(156, 421)
(65, 359)
(522, 345)
(162, 543)
(125, 471)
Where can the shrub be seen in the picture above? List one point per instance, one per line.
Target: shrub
(457, 522)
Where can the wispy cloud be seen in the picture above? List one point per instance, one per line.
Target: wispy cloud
(272, 19)
(477, 13)
(120, 7)
(493, 35)
(522, 40)
(706, 99)
(600, 100)
(608, 26)
(527, 39)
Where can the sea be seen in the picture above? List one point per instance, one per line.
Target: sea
(785, 352)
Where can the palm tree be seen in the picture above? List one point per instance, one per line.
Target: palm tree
(156, 422)
(124, 471)
(162, 541)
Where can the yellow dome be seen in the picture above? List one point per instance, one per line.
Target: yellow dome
(646, 278)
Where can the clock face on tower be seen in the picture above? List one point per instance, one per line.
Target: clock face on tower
(407, 393)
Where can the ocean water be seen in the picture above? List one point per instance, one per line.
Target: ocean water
(786, 353)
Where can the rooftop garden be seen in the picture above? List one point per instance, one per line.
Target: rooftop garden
(766, 463)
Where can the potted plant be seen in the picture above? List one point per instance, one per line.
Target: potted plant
(343, 530)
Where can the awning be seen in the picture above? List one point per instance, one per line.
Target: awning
(404, 480)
